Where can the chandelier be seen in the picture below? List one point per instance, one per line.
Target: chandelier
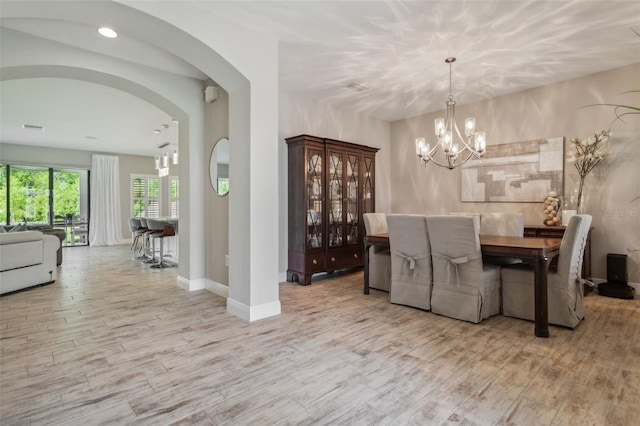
(447, 152)
(162, 161)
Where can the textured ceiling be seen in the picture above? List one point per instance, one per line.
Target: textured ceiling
(397, 49)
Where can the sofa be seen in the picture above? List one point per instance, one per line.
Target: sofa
(45, 229)
(27, 259)
(50, 230)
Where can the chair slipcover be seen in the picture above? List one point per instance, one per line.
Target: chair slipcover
(564, 285)
(410, 260)
(379, 254)
(463, 288)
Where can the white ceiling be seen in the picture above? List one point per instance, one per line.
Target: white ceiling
(395, 48)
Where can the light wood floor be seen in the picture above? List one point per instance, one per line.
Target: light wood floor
(113, 342)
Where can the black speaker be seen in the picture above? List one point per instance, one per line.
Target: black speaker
(617, 278)
(617, 268)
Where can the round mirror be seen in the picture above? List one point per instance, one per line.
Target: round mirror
(219, 167)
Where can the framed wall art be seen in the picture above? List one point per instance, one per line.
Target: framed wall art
(516, 172)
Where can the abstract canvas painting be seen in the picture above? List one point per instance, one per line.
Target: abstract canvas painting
(515, 172)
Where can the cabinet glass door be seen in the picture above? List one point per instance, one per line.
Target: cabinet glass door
(352, 205)
(314, 197)
(334, 204)
(367, 186)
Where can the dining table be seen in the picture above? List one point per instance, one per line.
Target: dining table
(537, 252)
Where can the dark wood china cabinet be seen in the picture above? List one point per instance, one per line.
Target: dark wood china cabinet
(331, 184)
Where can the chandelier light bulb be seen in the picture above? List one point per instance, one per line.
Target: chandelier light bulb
(165, 160)
(157, 162)
(419, 146)
(469, 126)
(175, 156)
(480, 143)
(439, 126)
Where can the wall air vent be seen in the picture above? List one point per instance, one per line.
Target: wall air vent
(32, 127)
(358, 87)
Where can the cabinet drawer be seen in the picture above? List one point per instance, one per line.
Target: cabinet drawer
(314, 262)
(348, 257)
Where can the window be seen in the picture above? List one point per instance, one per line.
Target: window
(29, 194)
(145, 196)
(43, 195)
(67, 193)
(174, 195)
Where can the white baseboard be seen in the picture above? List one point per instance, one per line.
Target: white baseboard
(217, 288)
(191, 285)
(253, 313)
(203, 284)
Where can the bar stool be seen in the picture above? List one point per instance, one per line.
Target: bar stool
(136, 232)
(145, 248)
(161, 230)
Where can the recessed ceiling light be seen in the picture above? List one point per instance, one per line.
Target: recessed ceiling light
(107, 32)
(157, 131)
(32, 127)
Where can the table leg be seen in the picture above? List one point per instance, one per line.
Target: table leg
(366, 267)
(540, 272)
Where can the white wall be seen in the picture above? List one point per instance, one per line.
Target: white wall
(245, 63)
(298, 117)
(216, 207)
(554, 110)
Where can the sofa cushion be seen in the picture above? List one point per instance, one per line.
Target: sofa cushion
(20, 249)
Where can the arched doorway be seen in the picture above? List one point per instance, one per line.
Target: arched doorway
(252, 88)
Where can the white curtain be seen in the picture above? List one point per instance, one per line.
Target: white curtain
(105, 224)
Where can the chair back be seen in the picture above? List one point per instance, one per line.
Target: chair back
(161, 229)
(455, 249)
(504, 224)
(572, 247)
(411, 275)
(132, 225)
(375, 223)
(477, 217)
(155, 225)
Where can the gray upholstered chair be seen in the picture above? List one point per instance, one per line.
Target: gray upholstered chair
(504, 224)
(410, 260)
(379, 254)
(564, 285)
(463, 287)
